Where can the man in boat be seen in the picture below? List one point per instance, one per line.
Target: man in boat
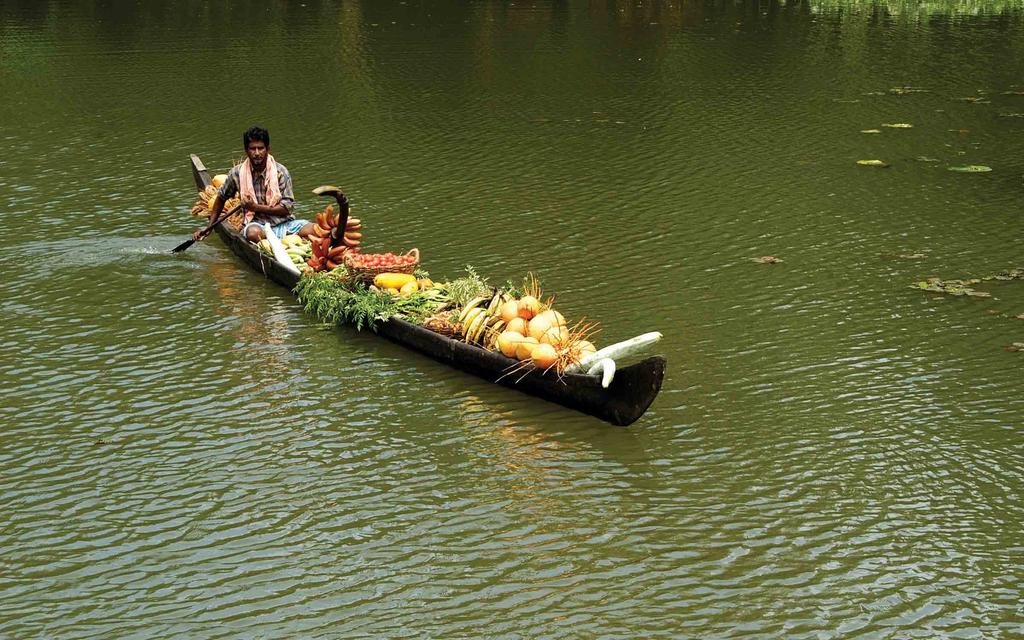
(266, 191)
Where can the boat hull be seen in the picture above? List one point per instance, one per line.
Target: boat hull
(627, 398)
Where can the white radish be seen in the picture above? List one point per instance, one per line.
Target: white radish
(280, 253)
(617, 351)
(605, 366)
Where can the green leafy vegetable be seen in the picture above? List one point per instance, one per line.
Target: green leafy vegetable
(462, 290)
(340, 301)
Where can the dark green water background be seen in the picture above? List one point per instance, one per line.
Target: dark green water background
(184, 453)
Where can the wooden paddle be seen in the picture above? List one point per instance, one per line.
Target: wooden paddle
(223, 216)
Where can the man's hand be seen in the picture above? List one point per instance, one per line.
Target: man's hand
(199, 234)
(249, 204)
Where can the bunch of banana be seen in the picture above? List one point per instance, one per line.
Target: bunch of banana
(324, 257)
(328, 251)
(200, 208)
(327, 223)
(204, 206)
(481, 320)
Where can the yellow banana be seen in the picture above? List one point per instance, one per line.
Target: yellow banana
(479, 318)
(490, 332)
(467, 322)
(492, 308)
(472, 304)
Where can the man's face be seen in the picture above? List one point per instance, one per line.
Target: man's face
(257, 152)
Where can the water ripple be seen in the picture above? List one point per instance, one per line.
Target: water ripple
(833, 455)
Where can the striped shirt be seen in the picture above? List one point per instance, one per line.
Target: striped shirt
(284, 180)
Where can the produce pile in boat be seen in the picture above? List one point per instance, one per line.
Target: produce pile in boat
(511, 320)
(298, 249)
(204, 203)
(317, 253)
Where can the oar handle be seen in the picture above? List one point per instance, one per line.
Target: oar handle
(223, 216)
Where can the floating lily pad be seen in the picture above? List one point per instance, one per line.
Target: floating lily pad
(971, 168)
(767, 260)
(898, 125)
(963, 287)
(873, 163)
(1012, 274)
(926, 159)
(951, 287)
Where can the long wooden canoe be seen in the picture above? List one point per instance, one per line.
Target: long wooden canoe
(623, 402)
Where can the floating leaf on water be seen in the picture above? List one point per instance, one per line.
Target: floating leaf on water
(971, 168)
(962, 287)
(871, 131)
(767, 260)
(898, 125)
(1019, 317)
(1015, 346)
(1012, 274)
(949, 287)
(926, 159)
(873, 163)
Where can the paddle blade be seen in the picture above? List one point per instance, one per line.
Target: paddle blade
(184, 245)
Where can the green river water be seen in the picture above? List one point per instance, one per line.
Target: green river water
(185, 454)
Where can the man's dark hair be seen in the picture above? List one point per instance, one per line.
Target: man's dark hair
(255, 133)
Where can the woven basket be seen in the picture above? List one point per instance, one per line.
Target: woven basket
(367, 274)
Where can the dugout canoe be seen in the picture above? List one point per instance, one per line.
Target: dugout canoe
(626, 399)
